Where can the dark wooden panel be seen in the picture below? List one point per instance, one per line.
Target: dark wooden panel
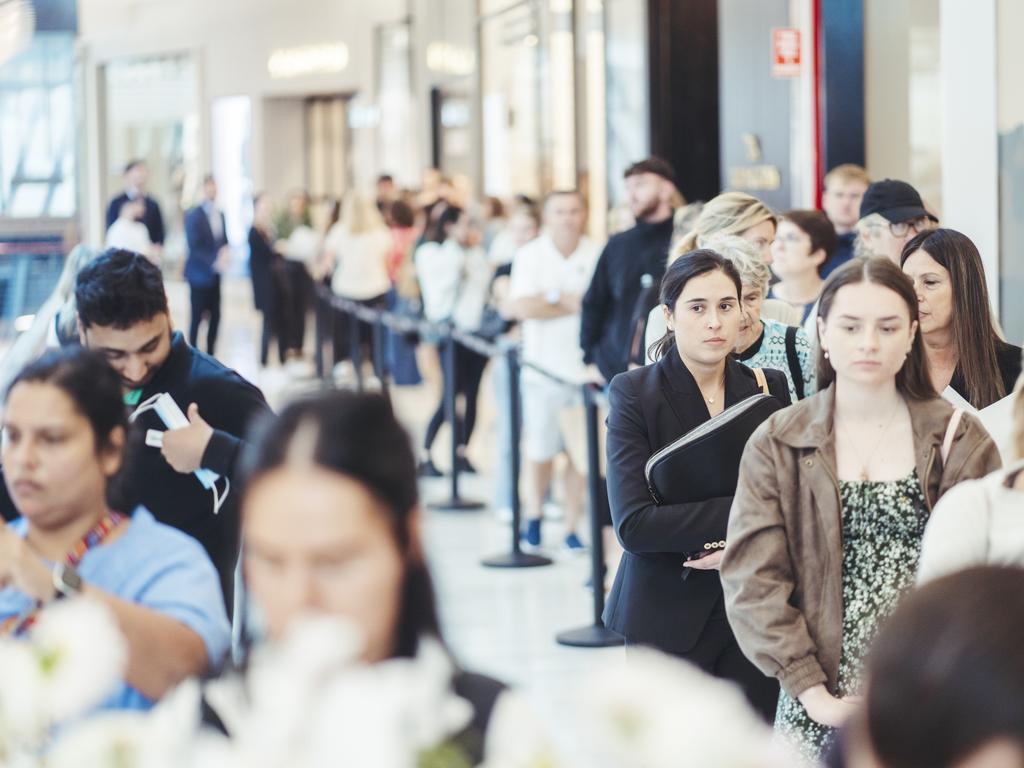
(683, 49)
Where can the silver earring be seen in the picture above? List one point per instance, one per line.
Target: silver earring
(826, 354)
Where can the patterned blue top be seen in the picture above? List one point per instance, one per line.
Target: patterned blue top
(770, 352)
(157, 567)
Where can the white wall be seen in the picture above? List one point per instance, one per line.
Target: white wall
(231, 41)
(970, 158)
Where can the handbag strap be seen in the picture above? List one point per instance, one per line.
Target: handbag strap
(795, 371)
(947, 442)
(762, 382)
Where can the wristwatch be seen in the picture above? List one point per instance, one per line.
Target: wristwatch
(66, 581)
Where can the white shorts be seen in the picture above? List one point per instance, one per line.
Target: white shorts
(544, 402)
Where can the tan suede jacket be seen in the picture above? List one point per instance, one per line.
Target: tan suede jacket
(782, 569)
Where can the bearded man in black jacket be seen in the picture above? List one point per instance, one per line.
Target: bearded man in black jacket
(123, 313)
(630, 260)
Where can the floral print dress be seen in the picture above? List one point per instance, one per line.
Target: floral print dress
(883, 523)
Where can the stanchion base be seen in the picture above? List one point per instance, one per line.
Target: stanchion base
(456, 505)
(595, 636)
(516, 560)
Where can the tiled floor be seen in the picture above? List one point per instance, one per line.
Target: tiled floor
(497, 621)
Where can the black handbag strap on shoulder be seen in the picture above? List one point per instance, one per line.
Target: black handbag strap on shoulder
(794, 362)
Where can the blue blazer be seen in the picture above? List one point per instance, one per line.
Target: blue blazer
(202, 248)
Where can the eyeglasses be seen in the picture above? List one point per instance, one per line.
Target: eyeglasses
(902, 228)
(791, 238)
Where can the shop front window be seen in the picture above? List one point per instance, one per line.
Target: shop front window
(37, 130)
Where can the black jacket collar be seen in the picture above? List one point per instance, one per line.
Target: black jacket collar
(739, 380)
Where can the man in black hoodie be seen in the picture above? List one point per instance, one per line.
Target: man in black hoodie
(630, 260)
(123, 313)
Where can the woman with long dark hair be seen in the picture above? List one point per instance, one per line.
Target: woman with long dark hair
(695, 378)
(331, 526)
(833, 496)
(963, 348)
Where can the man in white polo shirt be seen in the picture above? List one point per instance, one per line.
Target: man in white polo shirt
(549, 277)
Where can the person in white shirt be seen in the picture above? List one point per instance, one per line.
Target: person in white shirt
(359, 246)
(455, 279)
(549, 277)
(129, 233)
(978, 522)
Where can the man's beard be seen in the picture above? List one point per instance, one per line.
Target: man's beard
(647, 210)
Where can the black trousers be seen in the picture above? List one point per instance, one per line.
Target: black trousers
(469, 370)
(295, 304)
(205, 302)
(718, 654)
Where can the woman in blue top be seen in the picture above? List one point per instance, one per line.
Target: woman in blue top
(64, 432)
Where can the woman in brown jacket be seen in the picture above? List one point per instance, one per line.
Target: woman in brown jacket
(834, 493)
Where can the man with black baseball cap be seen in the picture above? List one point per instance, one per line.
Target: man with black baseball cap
(891, 213)
(629, 257)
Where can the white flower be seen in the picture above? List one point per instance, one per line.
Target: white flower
(21, 712)
(658, 712)
(386, 714)
(109, 739)
(82, 655)
(516, 738)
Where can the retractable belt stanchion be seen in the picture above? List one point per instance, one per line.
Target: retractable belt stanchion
(516, 558)
(355, 349)
(597, 635)
(322, 313)
(380, 369)
(456, 503)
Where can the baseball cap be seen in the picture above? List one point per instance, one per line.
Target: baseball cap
(895, 200)
(654, 165)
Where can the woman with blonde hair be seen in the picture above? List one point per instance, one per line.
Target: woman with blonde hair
(732, 213)
(360, 246)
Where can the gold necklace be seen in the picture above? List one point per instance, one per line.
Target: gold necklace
(711, 400)
(864, 476)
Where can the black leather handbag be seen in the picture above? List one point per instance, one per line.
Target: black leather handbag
(705, 462)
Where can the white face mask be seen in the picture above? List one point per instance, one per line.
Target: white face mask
(173, 418)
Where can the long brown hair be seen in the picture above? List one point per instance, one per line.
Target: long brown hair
(973, 333)
(912, 380)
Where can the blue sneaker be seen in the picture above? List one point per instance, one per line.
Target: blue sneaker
(531, 536)
(572, 543)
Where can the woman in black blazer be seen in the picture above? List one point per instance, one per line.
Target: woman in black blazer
(661, 597)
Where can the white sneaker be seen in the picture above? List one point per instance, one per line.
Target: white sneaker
(343, 371)
(299, 369)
